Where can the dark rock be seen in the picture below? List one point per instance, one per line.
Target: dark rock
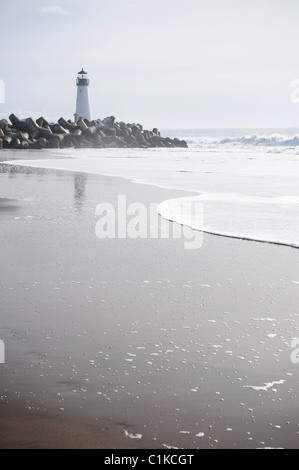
(6, 141)
(100, 133)
(180, 143)
(32, 126)
(3, 123)
(24, 136)
(97, 141)
(124, 133)
(54, 141)
(67, 141)
(135, 129)
(110, 140)
(42, 122)
(20, 125)
(110, 131)
(58, 129)
(23, 146)
(82, 125)
(43, 132)
(140, 138)
(109, 120)
(89, 132)
(15, 143)
(66, 125)
(39, 144)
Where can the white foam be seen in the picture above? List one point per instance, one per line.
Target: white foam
(271, 219)
(273, 141)
(132, 436)
(266, 385)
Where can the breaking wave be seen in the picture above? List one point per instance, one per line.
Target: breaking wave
(254, 140)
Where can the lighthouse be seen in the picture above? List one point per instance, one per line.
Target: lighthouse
(82, 105)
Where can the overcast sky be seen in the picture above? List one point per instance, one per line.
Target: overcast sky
(165, 63)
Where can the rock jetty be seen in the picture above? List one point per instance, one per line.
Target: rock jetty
(107, 133)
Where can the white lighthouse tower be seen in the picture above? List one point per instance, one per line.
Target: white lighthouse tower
(83, 105)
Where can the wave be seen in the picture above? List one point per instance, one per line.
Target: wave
(254, 140)
(263, 219)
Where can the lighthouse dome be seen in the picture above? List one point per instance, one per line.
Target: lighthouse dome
(82, 79)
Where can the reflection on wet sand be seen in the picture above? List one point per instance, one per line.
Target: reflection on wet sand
(79, 189)
(12, 170)
(8, 204)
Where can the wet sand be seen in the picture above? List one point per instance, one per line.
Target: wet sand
(107, 340)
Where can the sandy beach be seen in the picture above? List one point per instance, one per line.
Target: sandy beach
(122, 343)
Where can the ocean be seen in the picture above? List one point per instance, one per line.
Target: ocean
(247, 180)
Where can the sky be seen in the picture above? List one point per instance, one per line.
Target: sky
(163, 63)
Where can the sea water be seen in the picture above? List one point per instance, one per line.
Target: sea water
(246, 180)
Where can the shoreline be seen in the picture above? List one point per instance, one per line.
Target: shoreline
(191, 194)
(73, 323)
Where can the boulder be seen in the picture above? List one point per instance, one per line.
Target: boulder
(110, 131)
(66, 125)
(15, 143)
(39, 144)
(42, 122)
(20, 125)
(58, 129)
(53, 141)
(23, 146)
(109, 120)
(32, 125)
(82, 125)
(6, 141)
(3, 124)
